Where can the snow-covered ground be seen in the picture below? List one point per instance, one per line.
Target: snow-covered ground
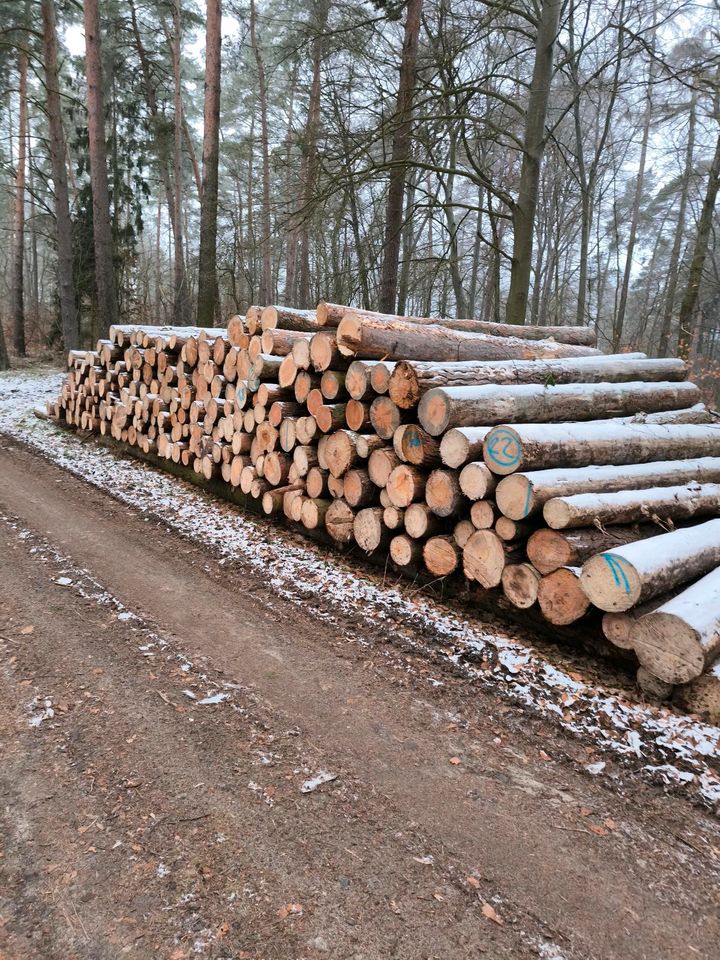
(666, 747)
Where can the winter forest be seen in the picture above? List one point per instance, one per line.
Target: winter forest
(538, 162)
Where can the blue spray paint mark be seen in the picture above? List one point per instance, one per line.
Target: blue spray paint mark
(616, 568)
(503, 449)
(526, 508)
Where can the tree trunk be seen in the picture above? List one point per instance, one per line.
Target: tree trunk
(182, 292)
(400, 153)
(107, 307)
(63, 223)
(533, 149)
(207, 264)
(688, 307)
(266, 284)
(17, 284)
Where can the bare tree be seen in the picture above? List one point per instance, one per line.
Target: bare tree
(266, 284)
(102, 232)
(17, 289)
(63, 223)
(533, 149)
(400, 153)
(182, 291)
(207, 267)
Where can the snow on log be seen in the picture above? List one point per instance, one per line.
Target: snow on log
(620, 578)
(463, 444)
(410, 380)
(626, 506)
(444, 407)
(399, 340)
(682, 637)
(549, 550)
(289, 318)
(536, 446)
(522, 494)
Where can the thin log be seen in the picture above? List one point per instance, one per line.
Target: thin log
(658, 504)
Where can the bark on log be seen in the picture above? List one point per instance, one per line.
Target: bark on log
(658, 504)
(357, 415)
(358, 489)
(549, 550)
(522, 494)
(380, 376)
(312, 515)
(331, 314)
(400, 340)
(410, 380)
(289, 318)
(324, 352)
(279, 343)
(561, 597)
(701, 696)
(682, 637)
(618, 579)
(445, 407)
(538, 446)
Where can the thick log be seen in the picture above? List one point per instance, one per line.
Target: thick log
(380, 376)
(304, 457)
(331, 417)
(701, 696)
(620, 578)
(477, 481)
(340, 452)
(313, 513)
(301, 354)
(405, 485)
(441, 555)
(358, 489)
(537, 446)
(520, 583)
(287, 371)
(485, 557)
(682, 637)
(289, 318)
(357, 378)
(421, 522)
(657, 504)
(279, 343)
(549, 550)
(399, 340)
(418, 447)
(445, 407)
(357, 415)
(410, 380)
(522, 494)
(459, 446)
(324, 352)
(385, 417)
(443, 494)
(331, 314)
(405, 552)
(339, 521)
(369, 530)
(561, 597)
(381, 462)
(332, 385)
(276, 467)
(652, 687)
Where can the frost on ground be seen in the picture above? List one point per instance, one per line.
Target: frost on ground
(664, 746)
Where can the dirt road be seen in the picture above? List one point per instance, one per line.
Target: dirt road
(139, 820)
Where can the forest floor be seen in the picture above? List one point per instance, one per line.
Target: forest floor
(174, 674)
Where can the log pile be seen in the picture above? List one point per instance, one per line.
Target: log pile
(521, 459)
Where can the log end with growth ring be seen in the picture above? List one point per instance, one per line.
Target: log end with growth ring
(515, 497)
(484, 558)
(561, 597)
(349, 334)
(668, 647)
(434, 412)
(502, 450)
(611, 582)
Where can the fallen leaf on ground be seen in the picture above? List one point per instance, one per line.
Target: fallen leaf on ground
(585, 812)
(473, 882)
(455, 761)
(597, 829)
(26, 631)
(491, 914)
(290, 910)
(610, 824)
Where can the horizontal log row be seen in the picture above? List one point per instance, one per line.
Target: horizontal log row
(536, 466)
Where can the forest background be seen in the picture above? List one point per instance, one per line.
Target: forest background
(169, 161)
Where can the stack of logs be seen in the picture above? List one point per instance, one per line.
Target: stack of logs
(519, 457)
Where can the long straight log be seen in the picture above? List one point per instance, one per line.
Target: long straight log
(331, 314)
(400, 340)
(682, 637)
(658, 504)
(446, 407)
(618, 579)
(548, 550)
(289, 318)
(537, 446)
(522, 494)
(411, 379)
